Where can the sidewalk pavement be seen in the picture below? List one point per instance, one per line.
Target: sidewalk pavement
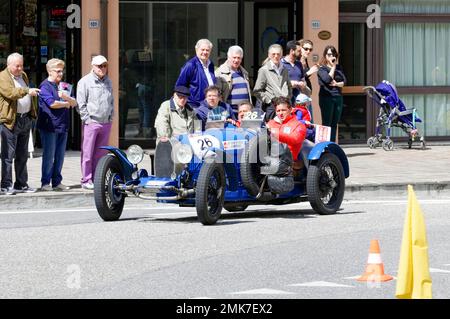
(375, 174)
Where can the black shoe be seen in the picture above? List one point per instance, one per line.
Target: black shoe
(8, 191)
(25, 189)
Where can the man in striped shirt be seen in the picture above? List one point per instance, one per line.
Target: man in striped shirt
(233, 80)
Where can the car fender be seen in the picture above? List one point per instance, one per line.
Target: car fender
(127, 167)
(331, 147)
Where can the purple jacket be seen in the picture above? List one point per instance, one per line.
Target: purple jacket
(193, 77)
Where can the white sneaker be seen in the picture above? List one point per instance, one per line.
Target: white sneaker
(61, 187)
(46, 188)
(89, 186)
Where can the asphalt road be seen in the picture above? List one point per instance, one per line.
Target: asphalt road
(160, 251)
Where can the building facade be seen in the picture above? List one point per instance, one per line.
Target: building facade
(147, 43)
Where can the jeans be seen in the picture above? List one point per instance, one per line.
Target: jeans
(53, 151)
(145, 109)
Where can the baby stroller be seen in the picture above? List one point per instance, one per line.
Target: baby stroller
(393, 113)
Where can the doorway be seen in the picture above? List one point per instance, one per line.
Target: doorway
(273, 24)
(40, 33)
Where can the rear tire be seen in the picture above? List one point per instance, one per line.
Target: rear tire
(325, 184)
(210, 192)
(109, 201)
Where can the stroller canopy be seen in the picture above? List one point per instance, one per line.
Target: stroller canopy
(389, 92)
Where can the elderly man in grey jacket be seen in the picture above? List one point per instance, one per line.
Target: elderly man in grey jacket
(273, 81)
(96, 107)
(174, 117)
(232, 79)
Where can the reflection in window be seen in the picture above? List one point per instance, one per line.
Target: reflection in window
(353, 120)
(4, 32)
(156, 39)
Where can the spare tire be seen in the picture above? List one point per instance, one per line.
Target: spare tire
(251, 161)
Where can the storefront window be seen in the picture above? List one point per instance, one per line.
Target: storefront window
(415, 6)
(156, 39)
(416, 55)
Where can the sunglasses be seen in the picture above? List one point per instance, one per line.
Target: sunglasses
(103, 66)
(308, 49)
(330, 54)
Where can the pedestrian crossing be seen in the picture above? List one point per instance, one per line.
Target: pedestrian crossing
(292, 289)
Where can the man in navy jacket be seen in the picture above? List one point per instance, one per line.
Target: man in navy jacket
(198, 73)
(212, 108)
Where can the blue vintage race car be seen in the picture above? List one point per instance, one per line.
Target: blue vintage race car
(223, 167)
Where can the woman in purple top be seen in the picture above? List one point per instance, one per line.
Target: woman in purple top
(53, 124)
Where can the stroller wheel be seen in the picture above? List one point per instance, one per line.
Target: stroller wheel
(423, 144)
(388, 145)
(372, 142)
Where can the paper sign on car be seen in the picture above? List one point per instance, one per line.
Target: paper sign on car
(323, 133)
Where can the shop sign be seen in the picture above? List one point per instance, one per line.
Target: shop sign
(58, 14)
(324, 35)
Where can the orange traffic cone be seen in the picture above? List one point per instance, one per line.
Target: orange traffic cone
(375, 267)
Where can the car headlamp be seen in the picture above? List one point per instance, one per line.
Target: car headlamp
(135, 154)
(183, 154)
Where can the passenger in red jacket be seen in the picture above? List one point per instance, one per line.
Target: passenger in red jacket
(286, 128)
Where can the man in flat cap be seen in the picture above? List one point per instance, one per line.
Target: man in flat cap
(96, 107)
(174, 116)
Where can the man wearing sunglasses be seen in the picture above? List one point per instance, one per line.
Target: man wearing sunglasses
(96, 107)
(295, 70)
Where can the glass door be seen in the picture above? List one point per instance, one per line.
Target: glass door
(352, 47)
(273, 24)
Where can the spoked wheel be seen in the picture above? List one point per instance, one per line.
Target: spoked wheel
(108, 200)
(388, 145)
(235, 208)
(325, 184)
(210, 193)
(372, 142)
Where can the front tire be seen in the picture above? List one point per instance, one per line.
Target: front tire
(108, 200)
(210, 193)
(325, 184)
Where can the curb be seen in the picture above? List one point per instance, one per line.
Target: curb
(353, 191)
(375, 191)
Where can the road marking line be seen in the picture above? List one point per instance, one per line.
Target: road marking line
(321, 284)
(353, 277)
(436, 270)
(72, 210)
(397, 201)
(262, 291)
